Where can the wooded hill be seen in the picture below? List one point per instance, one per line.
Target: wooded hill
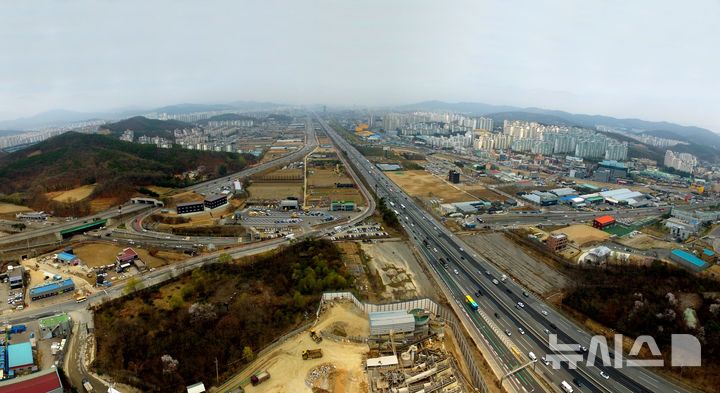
(116, 167)
(164, 338)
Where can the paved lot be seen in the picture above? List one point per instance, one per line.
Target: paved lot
(509, 257)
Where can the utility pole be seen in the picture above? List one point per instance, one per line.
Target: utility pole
(217, 373)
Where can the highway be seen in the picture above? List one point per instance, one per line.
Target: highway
(467, 273)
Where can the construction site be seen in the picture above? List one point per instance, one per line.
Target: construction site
(349, 351)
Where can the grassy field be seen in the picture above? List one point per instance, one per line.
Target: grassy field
(422, 184)
(10, 208)
(76, 194)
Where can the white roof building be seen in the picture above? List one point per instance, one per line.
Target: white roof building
(383, 322)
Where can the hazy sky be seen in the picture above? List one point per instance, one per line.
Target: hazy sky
(656, 60)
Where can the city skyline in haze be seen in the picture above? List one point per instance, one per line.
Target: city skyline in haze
(647, 59)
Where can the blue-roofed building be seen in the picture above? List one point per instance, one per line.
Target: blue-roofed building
(66, 257)
(20, 357)
(708, 256)
(688, 260)
(52, 289)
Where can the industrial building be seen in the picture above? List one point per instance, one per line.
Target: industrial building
(44, 381)
(52, 289)
(67, 258)
(389, 167)
(215, 201)
(127, 255)
(190, 207)
(542, 198)
(345, 206)
(289, 204)
(680, 229)
(16, 276)
(383, 322)
(603, 221)
(55, 326)
(20, 358)
(688, 260)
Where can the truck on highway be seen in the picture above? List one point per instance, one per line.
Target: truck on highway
(312, 354)
(566, 387)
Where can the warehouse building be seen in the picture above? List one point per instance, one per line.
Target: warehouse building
(603, 221)
(688, 261)
(215, 201)
(67, 258)
(45, 381)
(52, 289)
(382, 322)
(189, 207)
(20, 358)
(343, 206)
(55, 326)
(680, 229)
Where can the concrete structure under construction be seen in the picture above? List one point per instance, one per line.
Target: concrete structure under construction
(384, 322)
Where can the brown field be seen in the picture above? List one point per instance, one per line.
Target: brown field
(10, 208)
(98, 254)
(583, 234)
(101, 204)
(76, 194)
(275, 190)
(422, 184)
(183, 197)
(644, 242)
(319, 177)
(482, 192)
(159, 190)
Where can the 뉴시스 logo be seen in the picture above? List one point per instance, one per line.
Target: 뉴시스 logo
(685, 352)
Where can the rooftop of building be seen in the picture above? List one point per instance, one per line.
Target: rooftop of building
(39, 382)
(20, 354)
(54, 320)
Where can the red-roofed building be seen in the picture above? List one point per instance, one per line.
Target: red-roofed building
(45, 381)
(602, 222)
(126, 256)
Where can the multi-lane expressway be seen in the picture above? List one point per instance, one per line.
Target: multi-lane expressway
(467, 273)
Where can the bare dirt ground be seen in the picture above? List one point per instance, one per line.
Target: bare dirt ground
(100, 204)
(482, 192)
(76, 194)
(399, 270)
(288, 371)
(421, 183)
(184, 197)
(512, 259)
(10, 208)
(583, 235)
(98, 254)
(644, 242)
(275, 190)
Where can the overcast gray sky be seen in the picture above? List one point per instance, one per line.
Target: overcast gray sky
(652, 59)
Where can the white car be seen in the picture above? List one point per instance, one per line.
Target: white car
(521, 330)
(521, 304)
(456, 271)
(544, 312)
(602, 374)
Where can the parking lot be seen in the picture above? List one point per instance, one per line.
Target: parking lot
(361, 232)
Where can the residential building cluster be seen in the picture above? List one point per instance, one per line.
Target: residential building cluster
(543, 139)
(431, 123)
(684, 162)
(644, 138)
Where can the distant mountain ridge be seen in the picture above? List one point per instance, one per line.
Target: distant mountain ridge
(148, 127)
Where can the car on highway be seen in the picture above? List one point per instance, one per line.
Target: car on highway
(521, 304)
(526, 294)
(520, 330)
(456, 271)
(604, 375)
(495, 281)
(544, 312)
(508, 332)
(497, 315)
(545, 360)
